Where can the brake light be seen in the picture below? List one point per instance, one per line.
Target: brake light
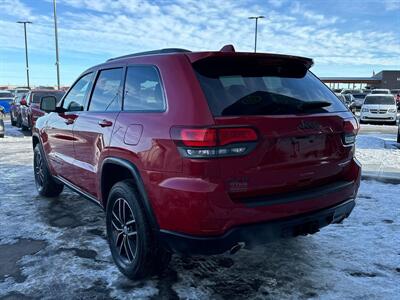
(350, 128)
(214, 142)
(199, 137)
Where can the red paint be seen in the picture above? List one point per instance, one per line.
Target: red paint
(203, 196)
(30, 111)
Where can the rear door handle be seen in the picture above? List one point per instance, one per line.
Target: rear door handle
(105, 123)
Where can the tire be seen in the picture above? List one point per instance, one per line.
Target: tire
(45, 183)
(133, 243)
(24, 128)
(19, 122)
(398, 134)
(2, 135)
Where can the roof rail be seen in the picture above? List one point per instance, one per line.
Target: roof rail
(160, 51)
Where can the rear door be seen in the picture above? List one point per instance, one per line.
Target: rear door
(93, 127)
(300, 124)
(59, 129)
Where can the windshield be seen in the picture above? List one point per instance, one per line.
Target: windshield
(252, 89)
(6, 95)
(18, 91)
(379, 100)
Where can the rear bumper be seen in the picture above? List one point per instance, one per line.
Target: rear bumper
(257, 233)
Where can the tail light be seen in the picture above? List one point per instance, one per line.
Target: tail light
(214, 142)
(350, 128)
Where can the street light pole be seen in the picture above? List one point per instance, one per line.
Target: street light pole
(56, 38)
(256, 29)
(26, 50)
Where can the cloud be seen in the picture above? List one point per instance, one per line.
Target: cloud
(320, 19)
(391, 5)
(16, 8)
(276, 3)
(110, 28)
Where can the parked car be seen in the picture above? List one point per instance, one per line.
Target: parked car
(351, 91)
(200, 152)
(15, 110)
(346, 99)
(21, 90)
(30, 109)
(6, 98)
(380, 91)
(2, 127)
(349, 99)
(396, 95)
(341, 97)
(11, 91)
(379, 108)
(358, 100)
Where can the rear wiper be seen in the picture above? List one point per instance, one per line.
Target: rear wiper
(313, 104)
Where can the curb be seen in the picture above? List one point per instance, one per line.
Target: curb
(381, 178)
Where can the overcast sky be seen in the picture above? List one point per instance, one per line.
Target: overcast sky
(344, 37)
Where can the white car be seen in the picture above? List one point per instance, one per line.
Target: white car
(379, 108)
(380, 91)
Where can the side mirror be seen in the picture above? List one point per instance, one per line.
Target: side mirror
(48, 103)
(23, 102)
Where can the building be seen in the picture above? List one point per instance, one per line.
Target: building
(387, 79)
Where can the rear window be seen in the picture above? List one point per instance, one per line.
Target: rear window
(379, 100)
(36, 96)
(359, 96)
(143, 90)
(236, 86)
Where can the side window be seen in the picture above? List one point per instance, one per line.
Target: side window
(106, 93)
(75, 99)
(143, 90)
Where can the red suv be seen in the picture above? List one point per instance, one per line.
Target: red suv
(200, 152)
(30, 106)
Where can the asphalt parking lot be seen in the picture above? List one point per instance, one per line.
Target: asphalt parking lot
(56, 248)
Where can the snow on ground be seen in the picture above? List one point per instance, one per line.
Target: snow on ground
(56, 248)
(378, 152)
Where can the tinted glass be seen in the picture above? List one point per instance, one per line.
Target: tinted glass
(106, 94)
(6, 95)
(143, 90)
(380, 92)
(359, 96)
(251, 88)
(17, 91)
(36, 96)
(379, 100)
(75, 99)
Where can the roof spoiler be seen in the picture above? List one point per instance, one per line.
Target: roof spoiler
(227, 48)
